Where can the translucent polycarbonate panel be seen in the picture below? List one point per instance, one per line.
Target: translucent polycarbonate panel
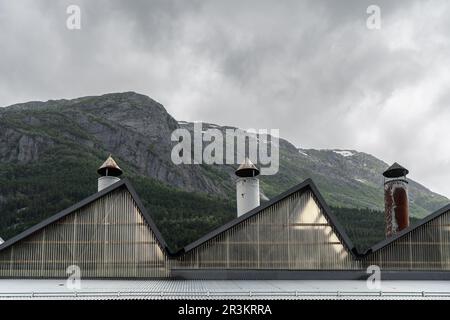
(426, 248)
(108, 238)
(293, 234)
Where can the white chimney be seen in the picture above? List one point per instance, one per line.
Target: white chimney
(247, 187)
(109, 172)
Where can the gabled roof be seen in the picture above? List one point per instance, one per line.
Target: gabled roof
(408, 230)
(305, 185)
(121, 184)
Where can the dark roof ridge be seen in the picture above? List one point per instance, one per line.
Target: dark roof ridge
(308, 183)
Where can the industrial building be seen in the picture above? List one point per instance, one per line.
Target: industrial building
(293, 236)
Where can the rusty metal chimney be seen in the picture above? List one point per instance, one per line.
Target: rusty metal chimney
(396, 207)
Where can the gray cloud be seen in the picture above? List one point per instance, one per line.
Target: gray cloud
(310, 68)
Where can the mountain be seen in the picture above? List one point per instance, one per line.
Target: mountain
(49, 153)
(354, 179)
(346, 178)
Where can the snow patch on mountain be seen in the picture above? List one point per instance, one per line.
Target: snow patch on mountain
(302, 153)
(344, 153)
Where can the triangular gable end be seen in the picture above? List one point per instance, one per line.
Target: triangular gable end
(108, 236)
(295, 232)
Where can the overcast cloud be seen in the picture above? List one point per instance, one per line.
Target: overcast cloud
(309, 68)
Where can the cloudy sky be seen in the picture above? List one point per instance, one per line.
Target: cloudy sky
(309, 68)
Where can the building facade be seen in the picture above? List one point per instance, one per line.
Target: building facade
(111, 236)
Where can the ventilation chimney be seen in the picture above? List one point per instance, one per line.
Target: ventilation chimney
(247, 187)
(109, 172)
(396, 208)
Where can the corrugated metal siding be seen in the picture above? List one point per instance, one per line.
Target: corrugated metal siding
(293, 234)
(425, 248)
(107, 238)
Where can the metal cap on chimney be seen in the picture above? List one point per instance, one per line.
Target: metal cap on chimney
(110, 168)
(395, 171)
(247, 169)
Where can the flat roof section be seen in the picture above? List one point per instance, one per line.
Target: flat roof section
(225, 289)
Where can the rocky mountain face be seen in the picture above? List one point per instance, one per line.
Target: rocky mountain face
(137, 131)
(133, 127)
(346, 178)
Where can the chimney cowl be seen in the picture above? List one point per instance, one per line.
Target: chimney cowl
(110, 168)
(395, 171)
(247, 169)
